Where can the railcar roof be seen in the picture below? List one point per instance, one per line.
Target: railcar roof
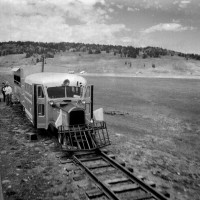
(51, 79)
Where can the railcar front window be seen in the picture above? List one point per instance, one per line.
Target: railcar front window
(64, 91)
(73, 91)
(56, 92)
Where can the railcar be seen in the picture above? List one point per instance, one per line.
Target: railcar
(62, 103)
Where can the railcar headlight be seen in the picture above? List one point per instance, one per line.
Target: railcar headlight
(52, 103)
(81, 102)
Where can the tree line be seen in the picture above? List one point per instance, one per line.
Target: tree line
(50, 49)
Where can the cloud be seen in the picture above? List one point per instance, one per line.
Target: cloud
(184, 4)
(48, 20)
(176, 20)
(175, 27)
(84, 11)
(97, 33)
(175, 2)
(119, 6)
(126, 40)
(132, 9)
(91, 2)
(111, 10)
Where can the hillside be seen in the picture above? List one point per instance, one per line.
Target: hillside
(107, 63)
(96, 58)
(50, 49)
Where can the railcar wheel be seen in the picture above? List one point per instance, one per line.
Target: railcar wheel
(65, 141)
(60, 138)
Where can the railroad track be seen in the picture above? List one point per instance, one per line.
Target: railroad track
(113, 179)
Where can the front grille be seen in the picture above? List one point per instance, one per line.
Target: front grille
(76, 117)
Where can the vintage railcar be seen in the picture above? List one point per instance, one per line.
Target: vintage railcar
(63, 103)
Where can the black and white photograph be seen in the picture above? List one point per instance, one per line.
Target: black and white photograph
(100, 100)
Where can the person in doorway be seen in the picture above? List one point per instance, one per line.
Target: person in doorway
(3, 91)
(8, 93)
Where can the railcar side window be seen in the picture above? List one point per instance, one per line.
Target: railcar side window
(40, 109)
(40, 92)
(87, 108)
(17, 80)
(87, 93)
(28, 88)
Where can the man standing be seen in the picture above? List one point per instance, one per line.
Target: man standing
(3, 91)
(8, 93)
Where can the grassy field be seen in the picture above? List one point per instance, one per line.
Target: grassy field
(156, 127)
(151, 105)
(180, 96)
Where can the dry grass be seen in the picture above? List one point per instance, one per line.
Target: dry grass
(108, 63)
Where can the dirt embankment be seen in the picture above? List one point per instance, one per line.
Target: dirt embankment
(32, 170)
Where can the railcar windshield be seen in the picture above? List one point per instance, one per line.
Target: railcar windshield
(64, 91)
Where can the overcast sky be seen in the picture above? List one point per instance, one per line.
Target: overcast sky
(171, 24)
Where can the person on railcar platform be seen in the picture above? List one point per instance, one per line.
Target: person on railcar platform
(8, 94)
(3, 91)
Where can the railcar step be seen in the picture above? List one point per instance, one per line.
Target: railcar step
(123, 188)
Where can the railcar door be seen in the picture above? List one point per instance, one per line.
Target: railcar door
(39, 107)
(89, 103)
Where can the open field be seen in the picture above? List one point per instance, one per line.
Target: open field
(153, 122)
(155, 128)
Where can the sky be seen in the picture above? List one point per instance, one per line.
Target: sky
(170, 24)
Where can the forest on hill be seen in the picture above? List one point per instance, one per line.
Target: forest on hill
(50, 49)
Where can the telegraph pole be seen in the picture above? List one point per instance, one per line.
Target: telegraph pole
(43, 63)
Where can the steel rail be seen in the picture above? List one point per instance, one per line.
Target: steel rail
(105, 189)
(133, 178)
(1, 191)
